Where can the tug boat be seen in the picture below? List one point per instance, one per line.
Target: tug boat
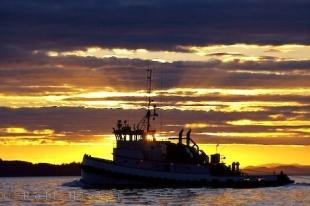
(140, 160)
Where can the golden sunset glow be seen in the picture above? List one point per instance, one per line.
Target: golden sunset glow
(246, 154)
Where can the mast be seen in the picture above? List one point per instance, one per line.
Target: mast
(145, 123)
(149, 91)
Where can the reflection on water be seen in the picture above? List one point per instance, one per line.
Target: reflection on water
(67, 190)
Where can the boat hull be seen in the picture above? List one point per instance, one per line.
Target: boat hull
(102, 173)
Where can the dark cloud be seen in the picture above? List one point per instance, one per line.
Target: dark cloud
(82, 124)
(156, 25)
(23, 72)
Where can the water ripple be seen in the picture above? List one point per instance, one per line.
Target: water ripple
(69, 190)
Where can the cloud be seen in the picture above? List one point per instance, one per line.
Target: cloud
(156, 25)
(76, 125)
(35, 73)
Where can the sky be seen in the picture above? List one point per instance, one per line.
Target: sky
(235, 72)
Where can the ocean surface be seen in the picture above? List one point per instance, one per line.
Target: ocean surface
(67, 191)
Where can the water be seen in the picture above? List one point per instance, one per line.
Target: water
(67, 191)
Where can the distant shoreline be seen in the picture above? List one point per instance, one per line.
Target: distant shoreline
(28, 169)
(18, 168)
(291, 170)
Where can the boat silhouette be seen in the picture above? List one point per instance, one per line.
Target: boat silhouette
(140, 160)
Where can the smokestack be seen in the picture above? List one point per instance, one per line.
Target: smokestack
(180, 136)
(188, 136)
